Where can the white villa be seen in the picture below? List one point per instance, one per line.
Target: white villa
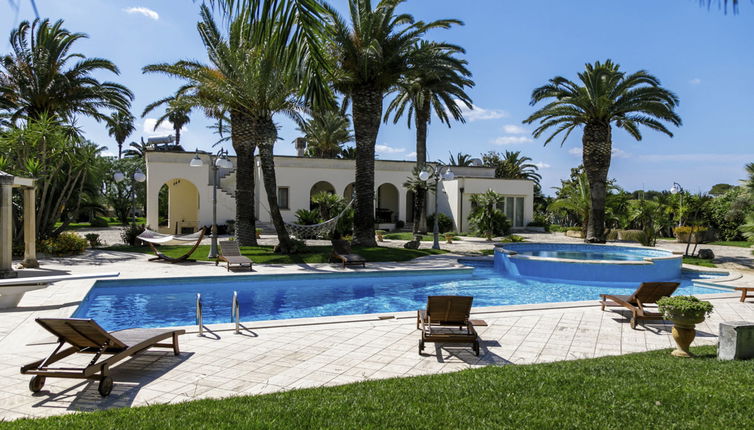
(189, 191)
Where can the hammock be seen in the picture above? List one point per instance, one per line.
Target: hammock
(313, 231)
(153, 238)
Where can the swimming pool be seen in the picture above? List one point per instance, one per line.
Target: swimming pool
(120, 304)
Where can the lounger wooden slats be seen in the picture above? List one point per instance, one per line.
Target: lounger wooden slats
(87, 337)
(341, 251)
(442, 316)
(230, 253)
(648, 293)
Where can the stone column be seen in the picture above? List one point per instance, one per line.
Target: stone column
(6, 227)
(30, 229)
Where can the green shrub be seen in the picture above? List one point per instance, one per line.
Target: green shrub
(307, 217)
(93, 239)
(129, 234)
(99, 222)
(683, 305)
(67, 243)
(686, 229)
(443, 223)
(557, 228)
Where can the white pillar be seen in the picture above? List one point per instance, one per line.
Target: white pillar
(30, 229)
(6, 227)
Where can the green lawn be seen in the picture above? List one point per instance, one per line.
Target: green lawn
(637, 391)
(698, 262)
(313, 254)
(80, 225)
(410, 236)
(738, 243)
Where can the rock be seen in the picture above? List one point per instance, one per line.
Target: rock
(736, 340)
(706, 254)
(414, 244)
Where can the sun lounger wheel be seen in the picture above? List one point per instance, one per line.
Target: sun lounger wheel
(105, 386)
(36, 383)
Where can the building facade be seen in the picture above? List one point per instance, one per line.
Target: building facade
(185, 193)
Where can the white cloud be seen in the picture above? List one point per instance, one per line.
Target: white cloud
(477, 113)
(163, 130)
(149, 13)
(695, 81)
(411, 155)
(511, 140)
(542, 165)
(617, 152)
(387, 149)
(514, 129)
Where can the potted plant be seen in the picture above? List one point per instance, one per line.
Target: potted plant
(685, 312)
(449, 237)
(380, 235)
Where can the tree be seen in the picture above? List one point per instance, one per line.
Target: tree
(573, 197)
(606, 96)
(260, 67)
(370, 55)
(485, 215)
(120, 125)
(177, 114)
(42, 77)
(348, 153)
(719, 189)
(325, 134)
(137, 150)
(511, 165)
(461, 160)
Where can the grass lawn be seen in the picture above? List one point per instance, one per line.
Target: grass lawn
(738, 243)
(698, 262)
(80, 225)
(410, 236)
(645, 390)
(313, 254)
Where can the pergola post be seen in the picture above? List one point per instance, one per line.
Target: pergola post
(30, 229)
(6, 226)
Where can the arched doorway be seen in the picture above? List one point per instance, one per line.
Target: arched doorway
(348, 192)
(178, 201)
(318, 188)
(387, 203)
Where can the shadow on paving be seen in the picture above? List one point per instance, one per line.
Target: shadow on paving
(129, 377)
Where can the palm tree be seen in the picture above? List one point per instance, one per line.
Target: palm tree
(437, 85)
(41, 76)
(325, 134)
(371, 53)
(137, 150)
(460, 159)
(120, 125)
(516, 166)
(256, 72)
(176, 113)
(573, 197)
(605, 97)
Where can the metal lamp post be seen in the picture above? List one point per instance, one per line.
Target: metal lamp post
(438, 175)
(217, 161)
(675, 189)
(139, 177)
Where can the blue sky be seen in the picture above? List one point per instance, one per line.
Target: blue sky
(512, 47)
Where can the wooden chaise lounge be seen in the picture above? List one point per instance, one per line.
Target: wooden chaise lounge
(87, 337)
(341, 251)
(744, 292)
(647, 293)
(230, 253)
(443, 314)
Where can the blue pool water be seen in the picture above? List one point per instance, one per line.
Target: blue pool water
(120, 304)
(583, 255)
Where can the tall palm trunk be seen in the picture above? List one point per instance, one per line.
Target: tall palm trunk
(367, 113)
(420, 207)
(266, 134)
(177, 135)
(242, 137)
(597, 142)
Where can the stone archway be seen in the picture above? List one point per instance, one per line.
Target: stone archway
(348, 192)
(182, 207)
(388, 203)
(318, 188)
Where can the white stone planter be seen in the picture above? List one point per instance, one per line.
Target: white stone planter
(11, 295)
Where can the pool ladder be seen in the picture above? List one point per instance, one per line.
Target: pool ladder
(235, 312)
(199, 321)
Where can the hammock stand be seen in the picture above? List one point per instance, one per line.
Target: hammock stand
(153, 238)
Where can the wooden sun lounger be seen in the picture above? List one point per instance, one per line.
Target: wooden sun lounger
(230, 253)
(647, 293)
(442, 316)
(744, 292)
(182, 258)
(87, 337)
(341, 251)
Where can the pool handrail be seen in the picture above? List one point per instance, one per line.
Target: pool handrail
(235, 312)
(199, 318)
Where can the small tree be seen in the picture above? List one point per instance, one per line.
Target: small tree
(486, 217)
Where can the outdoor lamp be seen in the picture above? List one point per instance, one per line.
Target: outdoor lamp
(676, 188)
(196, 161)
(224, 163)
(139, 176)
(424, 175)
(119, 176)
(448, 175)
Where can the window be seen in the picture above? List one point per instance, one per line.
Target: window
(519, 212)
(509, 208)
(283, 197)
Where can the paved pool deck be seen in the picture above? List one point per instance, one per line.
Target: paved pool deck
(284, 355)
